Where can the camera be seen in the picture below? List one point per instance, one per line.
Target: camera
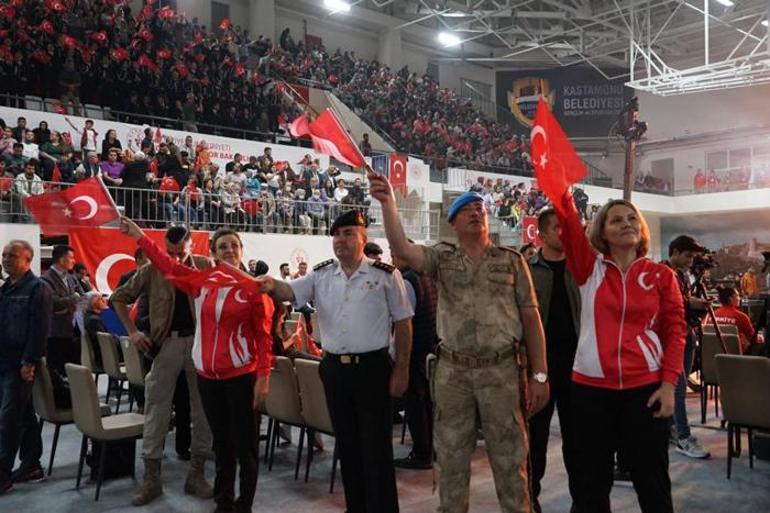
(703, 262)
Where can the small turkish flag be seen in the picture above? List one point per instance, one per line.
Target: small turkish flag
(86, 204)
(529, 234)
(224, 24)
(557, 165)
(398, 172)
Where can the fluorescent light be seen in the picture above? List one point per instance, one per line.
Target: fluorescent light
(726, 3)
(448, 39)
(337, 5)
(764, 23)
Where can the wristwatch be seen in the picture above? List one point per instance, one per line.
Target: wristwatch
(540, 377)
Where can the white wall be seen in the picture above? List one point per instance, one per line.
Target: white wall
(675, 116)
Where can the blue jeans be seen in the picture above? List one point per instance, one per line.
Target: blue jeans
(19, 428)
(680, 408)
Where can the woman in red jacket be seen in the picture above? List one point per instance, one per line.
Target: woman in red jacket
(629, 355)
(232, 353)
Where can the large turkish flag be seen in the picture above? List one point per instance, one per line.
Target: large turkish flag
(108, 254)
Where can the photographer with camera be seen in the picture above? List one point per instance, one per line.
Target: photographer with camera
(682, 251)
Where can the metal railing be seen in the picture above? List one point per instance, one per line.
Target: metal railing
(262, 213)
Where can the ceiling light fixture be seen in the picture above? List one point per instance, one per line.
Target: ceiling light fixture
(337, 5)
(448, 39)
(726, 3)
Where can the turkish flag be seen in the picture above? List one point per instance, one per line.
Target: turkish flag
(398, 172)
(108, 254)
(557, 166)
(224, 25)
(86, 204)
(329, 138)
(529, 232)
(219, 276)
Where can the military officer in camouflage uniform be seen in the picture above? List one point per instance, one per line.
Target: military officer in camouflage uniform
(487, 319)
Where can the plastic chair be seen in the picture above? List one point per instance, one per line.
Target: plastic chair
(726, 329)
(315, 410)
(85, 409)
(283, 406)
(33, 102)
(135, 368)
(45, 406)
(740, 378)
(93, 111)
(111, 364)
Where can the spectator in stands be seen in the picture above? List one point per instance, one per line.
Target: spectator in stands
(15, 161)
(31, 149)
(69, 84)
(212, 204)
(27, 184)
(749, 283)
(87, 135)
(252, 167)
(236, 177)
(110, 142)
(133, 176)
(189, 147)
(25, 312)
(192, 200)
(366, 146)
(316, 209)
(189, 114)
(7, 142)
(20, 128)
(66, 168)
(42, 133)
(266, 160)
(89, 167)
(147, 140)
(6, 193)
(111, 169)
(729, 313)
(231, 204)
(237, 159)
(712, 181)
(51, 154)
(340, 192)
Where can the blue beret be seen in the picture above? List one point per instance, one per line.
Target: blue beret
(461, 201)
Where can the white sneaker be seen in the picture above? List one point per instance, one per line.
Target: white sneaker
(690, 448)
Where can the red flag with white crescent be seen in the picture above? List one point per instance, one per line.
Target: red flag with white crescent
(398, 172)
(86, 204)
(108, 254)
(529, 231)
(557, 165)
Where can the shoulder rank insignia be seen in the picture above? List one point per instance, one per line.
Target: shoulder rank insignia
(512, 250)
(323, 264)
(384, 267)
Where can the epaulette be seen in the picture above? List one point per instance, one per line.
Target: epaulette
(446, 244)
(323, 264)
(384, 267)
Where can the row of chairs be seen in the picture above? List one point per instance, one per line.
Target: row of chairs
(54, 105)
(297, 398)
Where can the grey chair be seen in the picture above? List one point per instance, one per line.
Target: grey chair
(102, 431)
(315, 410)
(283, 407)
(743, 380)
(45, 407)
(135, 368)
(109, 347)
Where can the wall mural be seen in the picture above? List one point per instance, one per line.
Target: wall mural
(737, 240)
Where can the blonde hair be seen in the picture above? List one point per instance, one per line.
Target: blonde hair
(596, 234)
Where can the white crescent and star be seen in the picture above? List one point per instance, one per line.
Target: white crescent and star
(641, 282)
(531, 231)
(92, 205)
(396, 165)
(539, 130)
(238, 296)
(103, 271)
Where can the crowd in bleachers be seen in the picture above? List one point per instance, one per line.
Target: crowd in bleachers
(159, 64)
(163, 182)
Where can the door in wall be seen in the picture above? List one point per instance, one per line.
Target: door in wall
(219, 12)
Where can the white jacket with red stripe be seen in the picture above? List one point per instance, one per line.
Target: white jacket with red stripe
(233, 325)
(632, 328)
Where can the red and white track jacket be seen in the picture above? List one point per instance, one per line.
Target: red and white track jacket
(232, 332)
(632, 328)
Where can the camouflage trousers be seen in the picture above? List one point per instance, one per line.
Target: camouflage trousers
(494, 392)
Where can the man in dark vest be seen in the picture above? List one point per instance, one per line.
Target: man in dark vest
(417, 401)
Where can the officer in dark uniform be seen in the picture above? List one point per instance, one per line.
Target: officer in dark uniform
(358, 301)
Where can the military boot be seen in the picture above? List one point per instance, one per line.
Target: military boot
(196, 484)
(151, 487)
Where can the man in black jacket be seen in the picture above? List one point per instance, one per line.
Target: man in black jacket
(559, 300)
(25, 319)
(62, 345)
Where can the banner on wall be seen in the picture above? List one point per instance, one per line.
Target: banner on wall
(108, 254)
(585, 103)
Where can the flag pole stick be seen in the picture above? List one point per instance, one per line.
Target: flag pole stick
(109, 196)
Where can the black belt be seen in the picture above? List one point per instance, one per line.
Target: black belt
(181, 333)
(474, 362)
(357, 358)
